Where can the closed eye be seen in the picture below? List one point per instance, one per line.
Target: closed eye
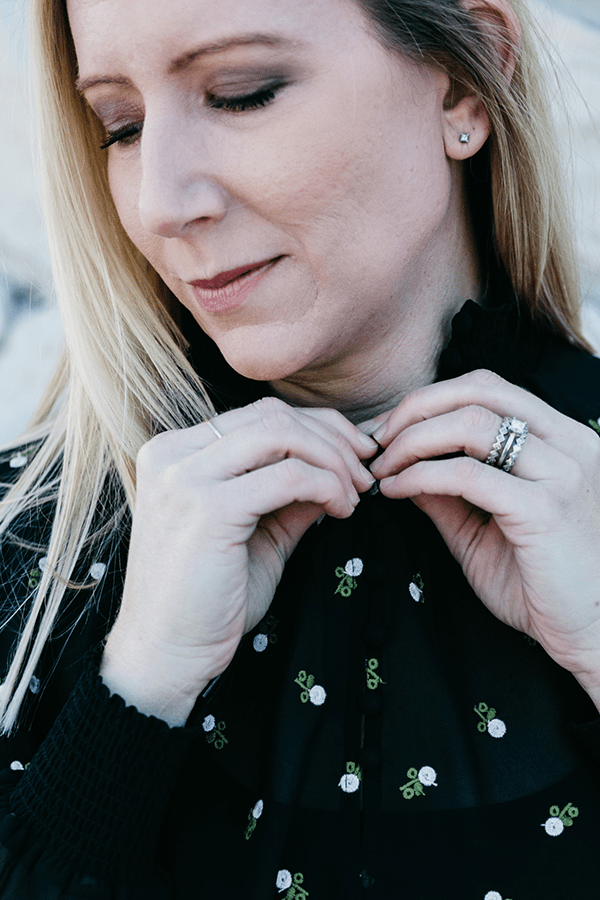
(246, 102)
(125, 135)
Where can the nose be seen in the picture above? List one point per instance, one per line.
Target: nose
(179, 186)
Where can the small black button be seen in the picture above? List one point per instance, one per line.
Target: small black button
(370, 703)
(370, 758)
(376, 570)
(374, 634)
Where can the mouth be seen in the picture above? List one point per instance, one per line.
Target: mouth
(228, 290)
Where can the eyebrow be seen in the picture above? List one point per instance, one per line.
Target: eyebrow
(84, 84)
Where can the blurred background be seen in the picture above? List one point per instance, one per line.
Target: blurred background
(30, 332)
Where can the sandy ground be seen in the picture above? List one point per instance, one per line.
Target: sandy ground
(30, 334)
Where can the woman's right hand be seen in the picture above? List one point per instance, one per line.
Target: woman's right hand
(215, 521)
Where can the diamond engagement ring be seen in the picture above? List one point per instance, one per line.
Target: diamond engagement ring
(508, 444)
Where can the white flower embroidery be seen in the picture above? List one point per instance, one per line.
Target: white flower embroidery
(496, 728)
(258, 809)
(354, 567)
(97, 570)
(18, 461)
(492, 895)
(560, 819)
(415, 592)
(42, 563)
(17, 766)
(317, 695)
(349, 783)
(34, 684)
(427, 776)
(554, 826)
(260, 642)
(208, 723)
(284, 880)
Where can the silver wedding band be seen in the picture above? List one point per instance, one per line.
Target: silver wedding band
(508, 444)
(214, 429)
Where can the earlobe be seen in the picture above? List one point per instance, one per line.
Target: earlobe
(497, 20)
(466, 128)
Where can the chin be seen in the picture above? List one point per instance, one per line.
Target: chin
(261, 364)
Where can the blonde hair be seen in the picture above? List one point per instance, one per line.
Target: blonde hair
(124, 375)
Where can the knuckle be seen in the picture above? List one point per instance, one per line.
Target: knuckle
(332, 417)
(478, 418)
(469, 469)
(278, 421)
(268, 405)
(485, 378)
(291, 470)
(154, 451)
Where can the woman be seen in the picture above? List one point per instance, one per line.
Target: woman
(255, 684)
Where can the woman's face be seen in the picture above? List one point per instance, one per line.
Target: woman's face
(276, 132)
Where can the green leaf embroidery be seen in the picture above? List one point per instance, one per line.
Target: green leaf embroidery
(215, 734)
(560, 819)
(595, 425)
(495, 727)
(347, 576)
(373, 679)
(424, 777)
(417, 588)
(34, 579)
(253, 817)
(296, 891)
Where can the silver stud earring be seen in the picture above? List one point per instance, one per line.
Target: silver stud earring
(465, 138)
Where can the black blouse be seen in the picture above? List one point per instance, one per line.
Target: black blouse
(378, 735)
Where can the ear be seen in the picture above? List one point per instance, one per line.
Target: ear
(467, 116)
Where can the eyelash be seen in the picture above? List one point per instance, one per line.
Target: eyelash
(245, 103)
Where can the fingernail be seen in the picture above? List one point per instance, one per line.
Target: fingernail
(379, 434)
(367, 476)
(366, 440)
(368, 427)
(353, 497)
(376, 464)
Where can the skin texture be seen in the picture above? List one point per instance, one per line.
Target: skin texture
(352, 179)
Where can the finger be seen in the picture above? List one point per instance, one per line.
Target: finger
(471, 430)
(490, 489)
(327, 422)
(363, 445)
(484, 388)
(269, 440)
(289, 481)
(277, 430)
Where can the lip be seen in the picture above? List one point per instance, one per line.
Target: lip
(228, 290)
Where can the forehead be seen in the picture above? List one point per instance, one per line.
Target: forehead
(109, 32)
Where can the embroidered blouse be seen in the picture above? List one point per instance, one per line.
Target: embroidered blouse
(379, 734)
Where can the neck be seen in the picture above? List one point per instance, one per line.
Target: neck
(401, 352)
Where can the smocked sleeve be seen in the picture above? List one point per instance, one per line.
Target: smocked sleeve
(85, 780)
(82, 816)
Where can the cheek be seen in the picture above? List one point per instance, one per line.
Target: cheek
(349, 179)
(124, 179)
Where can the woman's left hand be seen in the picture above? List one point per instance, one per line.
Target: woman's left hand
(528, 541)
